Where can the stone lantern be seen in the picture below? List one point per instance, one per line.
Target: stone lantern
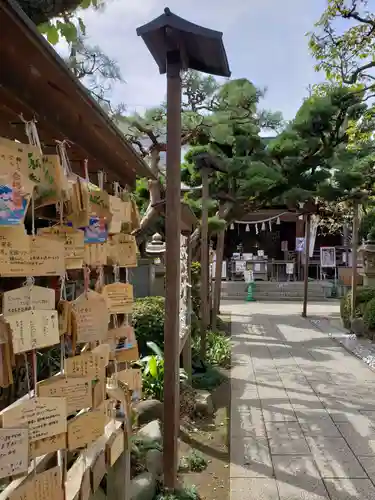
(367, 251)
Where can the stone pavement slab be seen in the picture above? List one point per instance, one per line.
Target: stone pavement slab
(302, 408)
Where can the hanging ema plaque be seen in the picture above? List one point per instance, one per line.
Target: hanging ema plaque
(123, 250)
(87, 364)
(90, 317)
(44, 417)
(44, 486)
(77, 391)
(119, 298)
(85, 429)
(23, 255)
(73, 240)
(28, 299)
(14, 452)
(33, 330)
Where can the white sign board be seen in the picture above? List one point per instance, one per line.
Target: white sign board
(328, 256)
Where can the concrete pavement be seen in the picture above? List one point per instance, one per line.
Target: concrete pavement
(302, 408)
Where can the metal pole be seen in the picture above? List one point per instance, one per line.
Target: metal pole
(172, 274)
(354, 258)
(204, 264)
(307, 259)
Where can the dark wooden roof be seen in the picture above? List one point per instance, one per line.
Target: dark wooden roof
(203, 48)
(35, 82)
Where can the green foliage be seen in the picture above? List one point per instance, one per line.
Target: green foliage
(364, 296)
(185, 493)
(153, 373)
(343, 46)
(369, 315)
(67, 23)
(148, 321)
(194, 462)
(218, 349)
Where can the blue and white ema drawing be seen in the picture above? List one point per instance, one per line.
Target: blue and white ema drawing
(96, 231)
(13, 206)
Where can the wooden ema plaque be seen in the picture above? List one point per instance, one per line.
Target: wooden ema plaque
(47, 445)
(33, 330)
(96, 254)
(98, 471)
(121, 212)
(52, 183)
(123, 250)
(28, 299)
(99, 202)
(23, 158)
(114, 447)
(76, 390)
(85, 429)
(14, 251)
(44, 417)
(133, 379)
(23, 255)
(104, 350)
(127, 355)
(124, 337)
(90, 317)
(64, 312)
(73, 241)
(44, 486)
(14, 452)
(87, 364)
(119, 298)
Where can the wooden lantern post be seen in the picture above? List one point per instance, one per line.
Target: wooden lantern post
(176, 45)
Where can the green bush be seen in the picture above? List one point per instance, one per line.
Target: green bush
(364, 296)
(148, 321)
(218, 351)
(369, 315)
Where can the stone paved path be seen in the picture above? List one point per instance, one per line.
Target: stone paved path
(302, 409)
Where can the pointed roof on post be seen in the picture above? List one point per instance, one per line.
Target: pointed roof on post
(202, 48)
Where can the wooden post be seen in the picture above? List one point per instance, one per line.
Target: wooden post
(354, 258)
(307, 260)
(205, 311)
(172, 274)
(186, 351)
(218, 269)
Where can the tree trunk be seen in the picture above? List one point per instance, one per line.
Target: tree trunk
(205, 310)
(218, 268)
(155, 196)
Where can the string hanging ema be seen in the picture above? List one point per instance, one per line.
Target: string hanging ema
(32, 133)
(63, 155)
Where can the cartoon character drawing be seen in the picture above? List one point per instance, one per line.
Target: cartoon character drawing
(96, 232)
(12, 206)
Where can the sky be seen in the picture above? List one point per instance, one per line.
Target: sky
(264, 39)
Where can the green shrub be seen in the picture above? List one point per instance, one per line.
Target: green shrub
(148, 321)
(369, 315)
(153, 373)
(218, 351)
(364, 296)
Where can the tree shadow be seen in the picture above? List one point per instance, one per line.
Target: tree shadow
(270, 356)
